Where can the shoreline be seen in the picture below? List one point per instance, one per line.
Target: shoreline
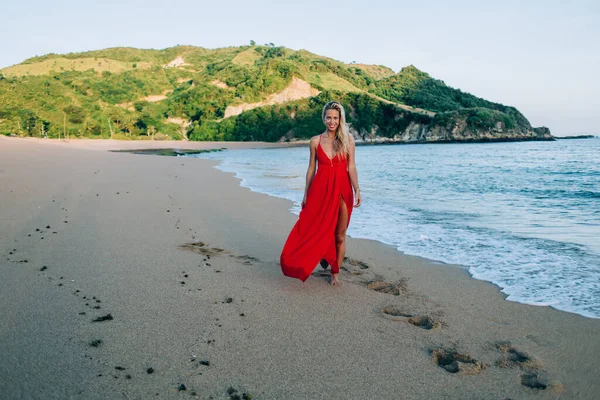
(124, 145)
(127, 219)
(473, 275)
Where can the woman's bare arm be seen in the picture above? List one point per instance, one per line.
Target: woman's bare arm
(312, 166)
(353, 173)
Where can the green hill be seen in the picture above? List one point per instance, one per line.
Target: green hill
(237, 93)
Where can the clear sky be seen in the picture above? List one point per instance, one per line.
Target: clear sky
(542, 57)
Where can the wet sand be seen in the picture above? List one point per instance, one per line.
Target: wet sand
(135, 276)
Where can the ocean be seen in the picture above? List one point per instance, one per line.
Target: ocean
(522, 215)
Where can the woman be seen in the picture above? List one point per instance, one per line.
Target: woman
(320, 232)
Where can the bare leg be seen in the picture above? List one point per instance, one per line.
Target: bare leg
(340, 240)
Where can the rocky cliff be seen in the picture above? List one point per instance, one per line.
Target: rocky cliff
(459, 131)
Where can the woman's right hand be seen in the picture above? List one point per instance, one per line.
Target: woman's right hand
(304, 201)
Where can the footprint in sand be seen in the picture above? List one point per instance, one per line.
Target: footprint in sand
(355, 263)
(513, 357)
(350, 265)
(245, 259)
(539, 380)
(360, 272)
(202, 248)
(456, 363)
(421, 321)
(394, 312)
(533, 376)
(356, 271)
(382, 286)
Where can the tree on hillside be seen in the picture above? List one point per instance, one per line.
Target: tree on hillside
(147, 123)
(29, 122)
(75, 114)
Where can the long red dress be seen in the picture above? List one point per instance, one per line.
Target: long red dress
(313, 235)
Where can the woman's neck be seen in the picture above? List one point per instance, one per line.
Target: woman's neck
(330, 134)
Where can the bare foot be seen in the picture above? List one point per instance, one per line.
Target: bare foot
(334, 281)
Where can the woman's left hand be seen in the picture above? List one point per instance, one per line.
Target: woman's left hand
(358, 199)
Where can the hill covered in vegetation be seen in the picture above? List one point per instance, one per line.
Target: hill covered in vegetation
(265, 93)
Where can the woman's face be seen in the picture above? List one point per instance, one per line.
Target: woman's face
(332, 119)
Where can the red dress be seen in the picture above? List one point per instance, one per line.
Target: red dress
(313, 235)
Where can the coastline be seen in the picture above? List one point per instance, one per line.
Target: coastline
(123, 249)
(125, 145)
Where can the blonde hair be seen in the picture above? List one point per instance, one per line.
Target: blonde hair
(341, 143)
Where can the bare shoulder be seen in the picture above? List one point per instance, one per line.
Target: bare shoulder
(314, 140)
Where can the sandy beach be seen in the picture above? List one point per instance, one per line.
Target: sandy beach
(136, 276)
